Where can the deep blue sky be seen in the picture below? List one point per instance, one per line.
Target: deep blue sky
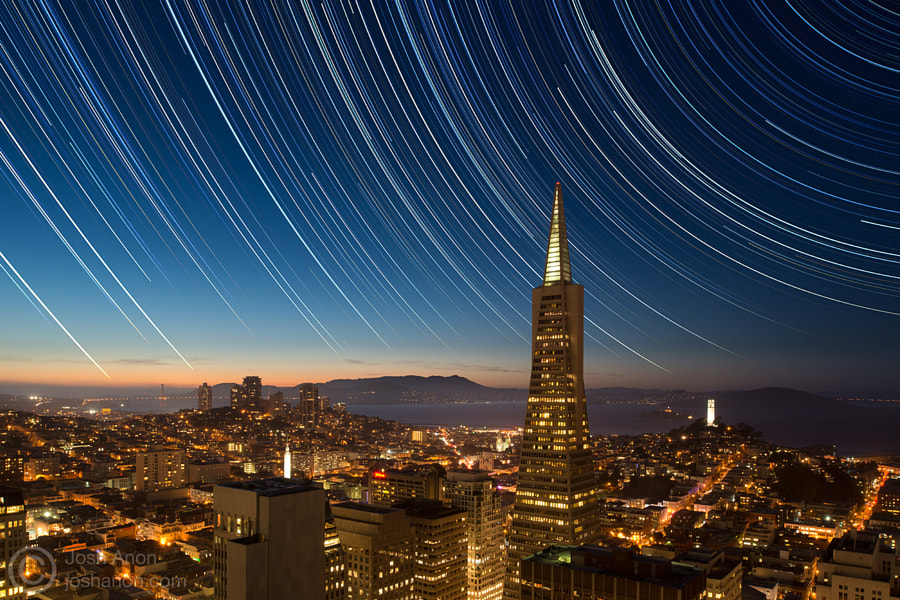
(342, 190)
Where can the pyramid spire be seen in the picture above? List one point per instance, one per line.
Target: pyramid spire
(557, 269)
(556, 494)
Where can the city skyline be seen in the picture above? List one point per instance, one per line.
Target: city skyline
(338, 192)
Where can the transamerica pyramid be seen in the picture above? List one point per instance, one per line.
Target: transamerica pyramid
(556, 495)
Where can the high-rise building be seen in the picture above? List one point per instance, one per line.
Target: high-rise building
(12, 540)
(159, 470)
(378, 544)
(204, 397)
(252, 392)
(249, 395)
(308, 405)
(335, 561)
(389, 486)
(269, 540)
(556, 496)
(439, 550)
(474, 492)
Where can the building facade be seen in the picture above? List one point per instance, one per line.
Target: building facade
(378, 544)
(389, 486)
(439, 551)
(159, 470)
(12, 465)
(723, 575)
(249, 395)
(269, 540)
(204, 397)
(275, 403)
(474, 492)
(309, 405)
(556, 496)
(12, 540)
(335, 562)
(858, 566)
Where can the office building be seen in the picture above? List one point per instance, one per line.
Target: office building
(12, 540)
(335, 561)
(159, 470)
(269, 540)
(556, 496)
(439, 550)
(378, 544)
(600, 573)
(474, 492)
(389, 486)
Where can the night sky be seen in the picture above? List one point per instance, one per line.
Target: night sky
(197, 192)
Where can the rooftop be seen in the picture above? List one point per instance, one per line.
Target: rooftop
(370, 508)
(620, 562)
(273, 486)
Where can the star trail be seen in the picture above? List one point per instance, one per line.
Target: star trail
(200, 190)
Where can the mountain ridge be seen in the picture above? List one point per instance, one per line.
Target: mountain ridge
(436, 389)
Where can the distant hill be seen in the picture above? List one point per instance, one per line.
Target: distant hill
(623, 395)
(415, 390)
(792, 417)
(798, 419)
(744, 404)
(412, 389)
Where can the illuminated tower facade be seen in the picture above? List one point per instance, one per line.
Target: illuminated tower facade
(556, 496)
(159, 470)
(252, 388)
(309, 405)
(711, 413)
(287, 461)
(13, 539)
(379, 546)
(475, 492)
(204, 397)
